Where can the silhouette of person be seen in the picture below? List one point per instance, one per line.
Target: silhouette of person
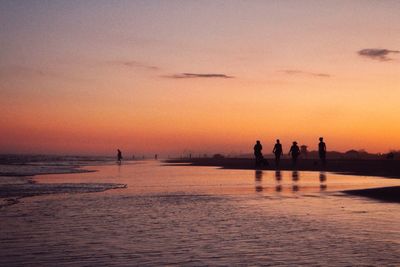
(119, 156)
(257, 153)
(156, 156)
(295, 152)
(322, 151)
(278, 152)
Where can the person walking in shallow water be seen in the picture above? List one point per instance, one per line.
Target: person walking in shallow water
(257, 153)
(295, 152)
(119, 156)
(322, 151)
(278, 151)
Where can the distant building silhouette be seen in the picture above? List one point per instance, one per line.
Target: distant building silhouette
(352, 154)
(390, 155)
(218, 156)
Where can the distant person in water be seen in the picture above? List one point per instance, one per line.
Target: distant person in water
(258, 154)
(277, 152)
(295, 152)
(322, 151)
(119, 156)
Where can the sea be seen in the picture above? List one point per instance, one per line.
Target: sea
(92, 211)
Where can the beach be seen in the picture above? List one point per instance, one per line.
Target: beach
(200, 215)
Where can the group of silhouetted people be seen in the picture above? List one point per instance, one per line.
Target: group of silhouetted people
(294, 152)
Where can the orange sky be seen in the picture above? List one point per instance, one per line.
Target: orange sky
(203, 76)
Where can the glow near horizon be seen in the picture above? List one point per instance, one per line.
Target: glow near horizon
(88, 77)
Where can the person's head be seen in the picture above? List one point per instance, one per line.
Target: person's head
(258, 141)
(294, 143)
(321, 139)
(277, 140)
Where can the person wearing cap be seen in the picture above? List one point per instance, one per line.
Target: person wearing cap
(295, 152)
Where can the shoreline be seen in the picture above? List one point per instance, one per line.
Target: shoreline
(17, 181)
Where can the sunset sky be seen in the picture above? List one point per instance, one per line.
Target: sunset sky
(87, 77)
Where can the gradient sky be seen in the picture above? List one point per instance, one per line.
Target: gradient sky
(86, 77)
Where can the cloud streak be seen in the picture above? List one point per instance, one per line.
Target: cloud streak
(135, 64)
(301, 72)
(187, 75)
(377, 53)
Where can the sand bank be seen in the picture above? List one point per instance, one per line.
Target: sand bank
(389, 194)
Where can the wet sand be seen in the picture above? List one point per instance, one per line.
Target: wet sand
(379, 168)
(17, 176)
(12, 193)
(383, 168)
(202, 216)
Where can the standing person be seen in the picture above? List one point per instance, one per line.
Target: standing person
(119, 156)
(322, 151)
(257, 153)
(295, 152)
(278, 151)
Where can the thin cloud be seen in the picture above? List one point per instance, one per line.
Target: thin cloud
(199, 75)
(301, 72)
(135, 64)
(16, 70)
(377, 54)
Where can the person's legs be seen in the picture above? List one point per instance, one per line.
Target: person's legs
(294, 160)
(277, 159)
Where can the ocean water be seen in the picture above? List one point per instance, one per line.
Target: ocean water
(191, 216)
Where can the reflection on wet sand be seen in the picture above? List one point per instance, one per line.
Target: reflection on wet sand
(295, 179)
(322, 180)
(281, 186)
(278, 178)
(295, 176)
(258, 180)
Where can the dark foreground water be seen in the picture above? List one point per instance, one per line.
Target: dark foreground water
(202, 216)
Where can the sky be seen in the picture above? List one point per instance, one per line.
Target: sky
(172, 77)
